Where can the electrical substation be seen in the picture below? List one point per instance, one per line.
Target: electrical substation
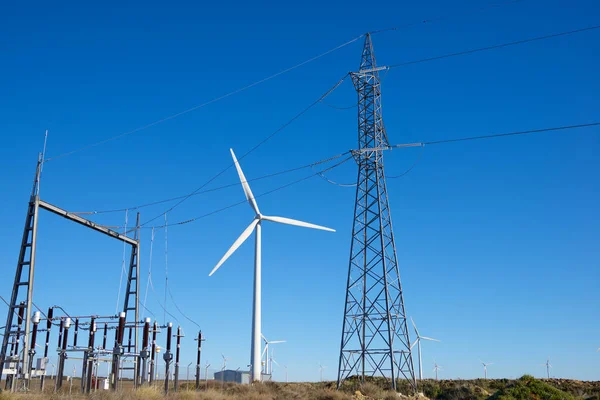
(375, 339)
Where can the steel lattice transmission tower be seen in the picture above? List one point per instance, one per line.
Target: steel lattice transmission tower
(375, 338)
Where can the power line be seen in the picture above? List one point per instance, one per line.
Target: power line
(446, 16)
(495, 135)
(281, 128)
(184, 222)
(558, 128)
(213, 189)
(497, 46)
(207, 102)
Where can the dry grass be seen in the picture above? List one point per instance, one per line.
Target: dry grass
(372, 390)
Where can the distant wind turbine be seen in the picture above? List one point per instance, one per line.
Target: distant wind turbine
(224, 362)
(548, 366)
(256, 225)
(485, 365)
(436, 368)
(321, 368)
(418, 343)
(265, 354)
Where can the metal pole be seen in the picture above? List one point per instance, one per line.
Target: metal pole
(168, 356)
(48, 327)
(177, 349)
(153, 352)
(30, 283)
(36, 321)
(206, 375)
(104, 338)
(144, 353)
(76, 332)
(63, 353)
(88, 369)
(199, 339)
(118, 351)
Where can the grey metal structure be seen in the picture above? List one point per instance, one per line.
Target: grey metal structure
(23, 286)
(22, 293)
(375, 338)
(230, 375)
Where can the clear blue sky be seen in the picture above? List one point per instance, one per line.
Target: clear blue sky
(498, 240)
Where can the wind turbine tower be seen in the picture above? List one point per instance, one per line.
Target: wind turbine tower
(436, 368)
(548, 366)
(375, 339)
(268, 359)
(418, 343)
(321, 368)
(485, 365)
(256, 225)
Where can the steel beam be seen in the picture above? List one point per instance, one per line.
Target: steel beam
(85, 222)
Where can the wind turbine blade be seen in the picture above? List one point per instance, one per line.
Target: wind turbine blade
(415, 326)
(277, 341)
(428, 338)
(415, 342)
(264, 338)
(289, 221)
(236, 244)
(245, 186)
(276, 363)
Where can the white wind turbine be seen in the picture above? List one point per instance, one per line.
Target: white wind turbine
(418, 343)
(255, 354)
(548, 366)
(436, 368)
(265, 354)
(485, 365)
(321, 368)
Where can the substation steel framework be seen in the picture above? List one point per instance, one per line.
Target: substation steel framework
(375, 338)
(21, 301)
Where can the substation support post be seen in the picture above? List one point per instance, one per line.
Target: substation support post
(104, 336)
(375, 338)
(177, 349)
(199, 340)
(168, 356)
(46, 346)
(118, 351)
(25, 262)
(153, 352)
(144, 353)
(36, 321)
(62, 356)
(76, 332)
(87, 369)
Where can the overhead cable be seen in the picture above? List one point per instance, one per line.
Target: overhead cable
(184, 222)
(213, 189)
(446, 16)
(468, 138)
(497, 46)
(216, 99)
(281, 128)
